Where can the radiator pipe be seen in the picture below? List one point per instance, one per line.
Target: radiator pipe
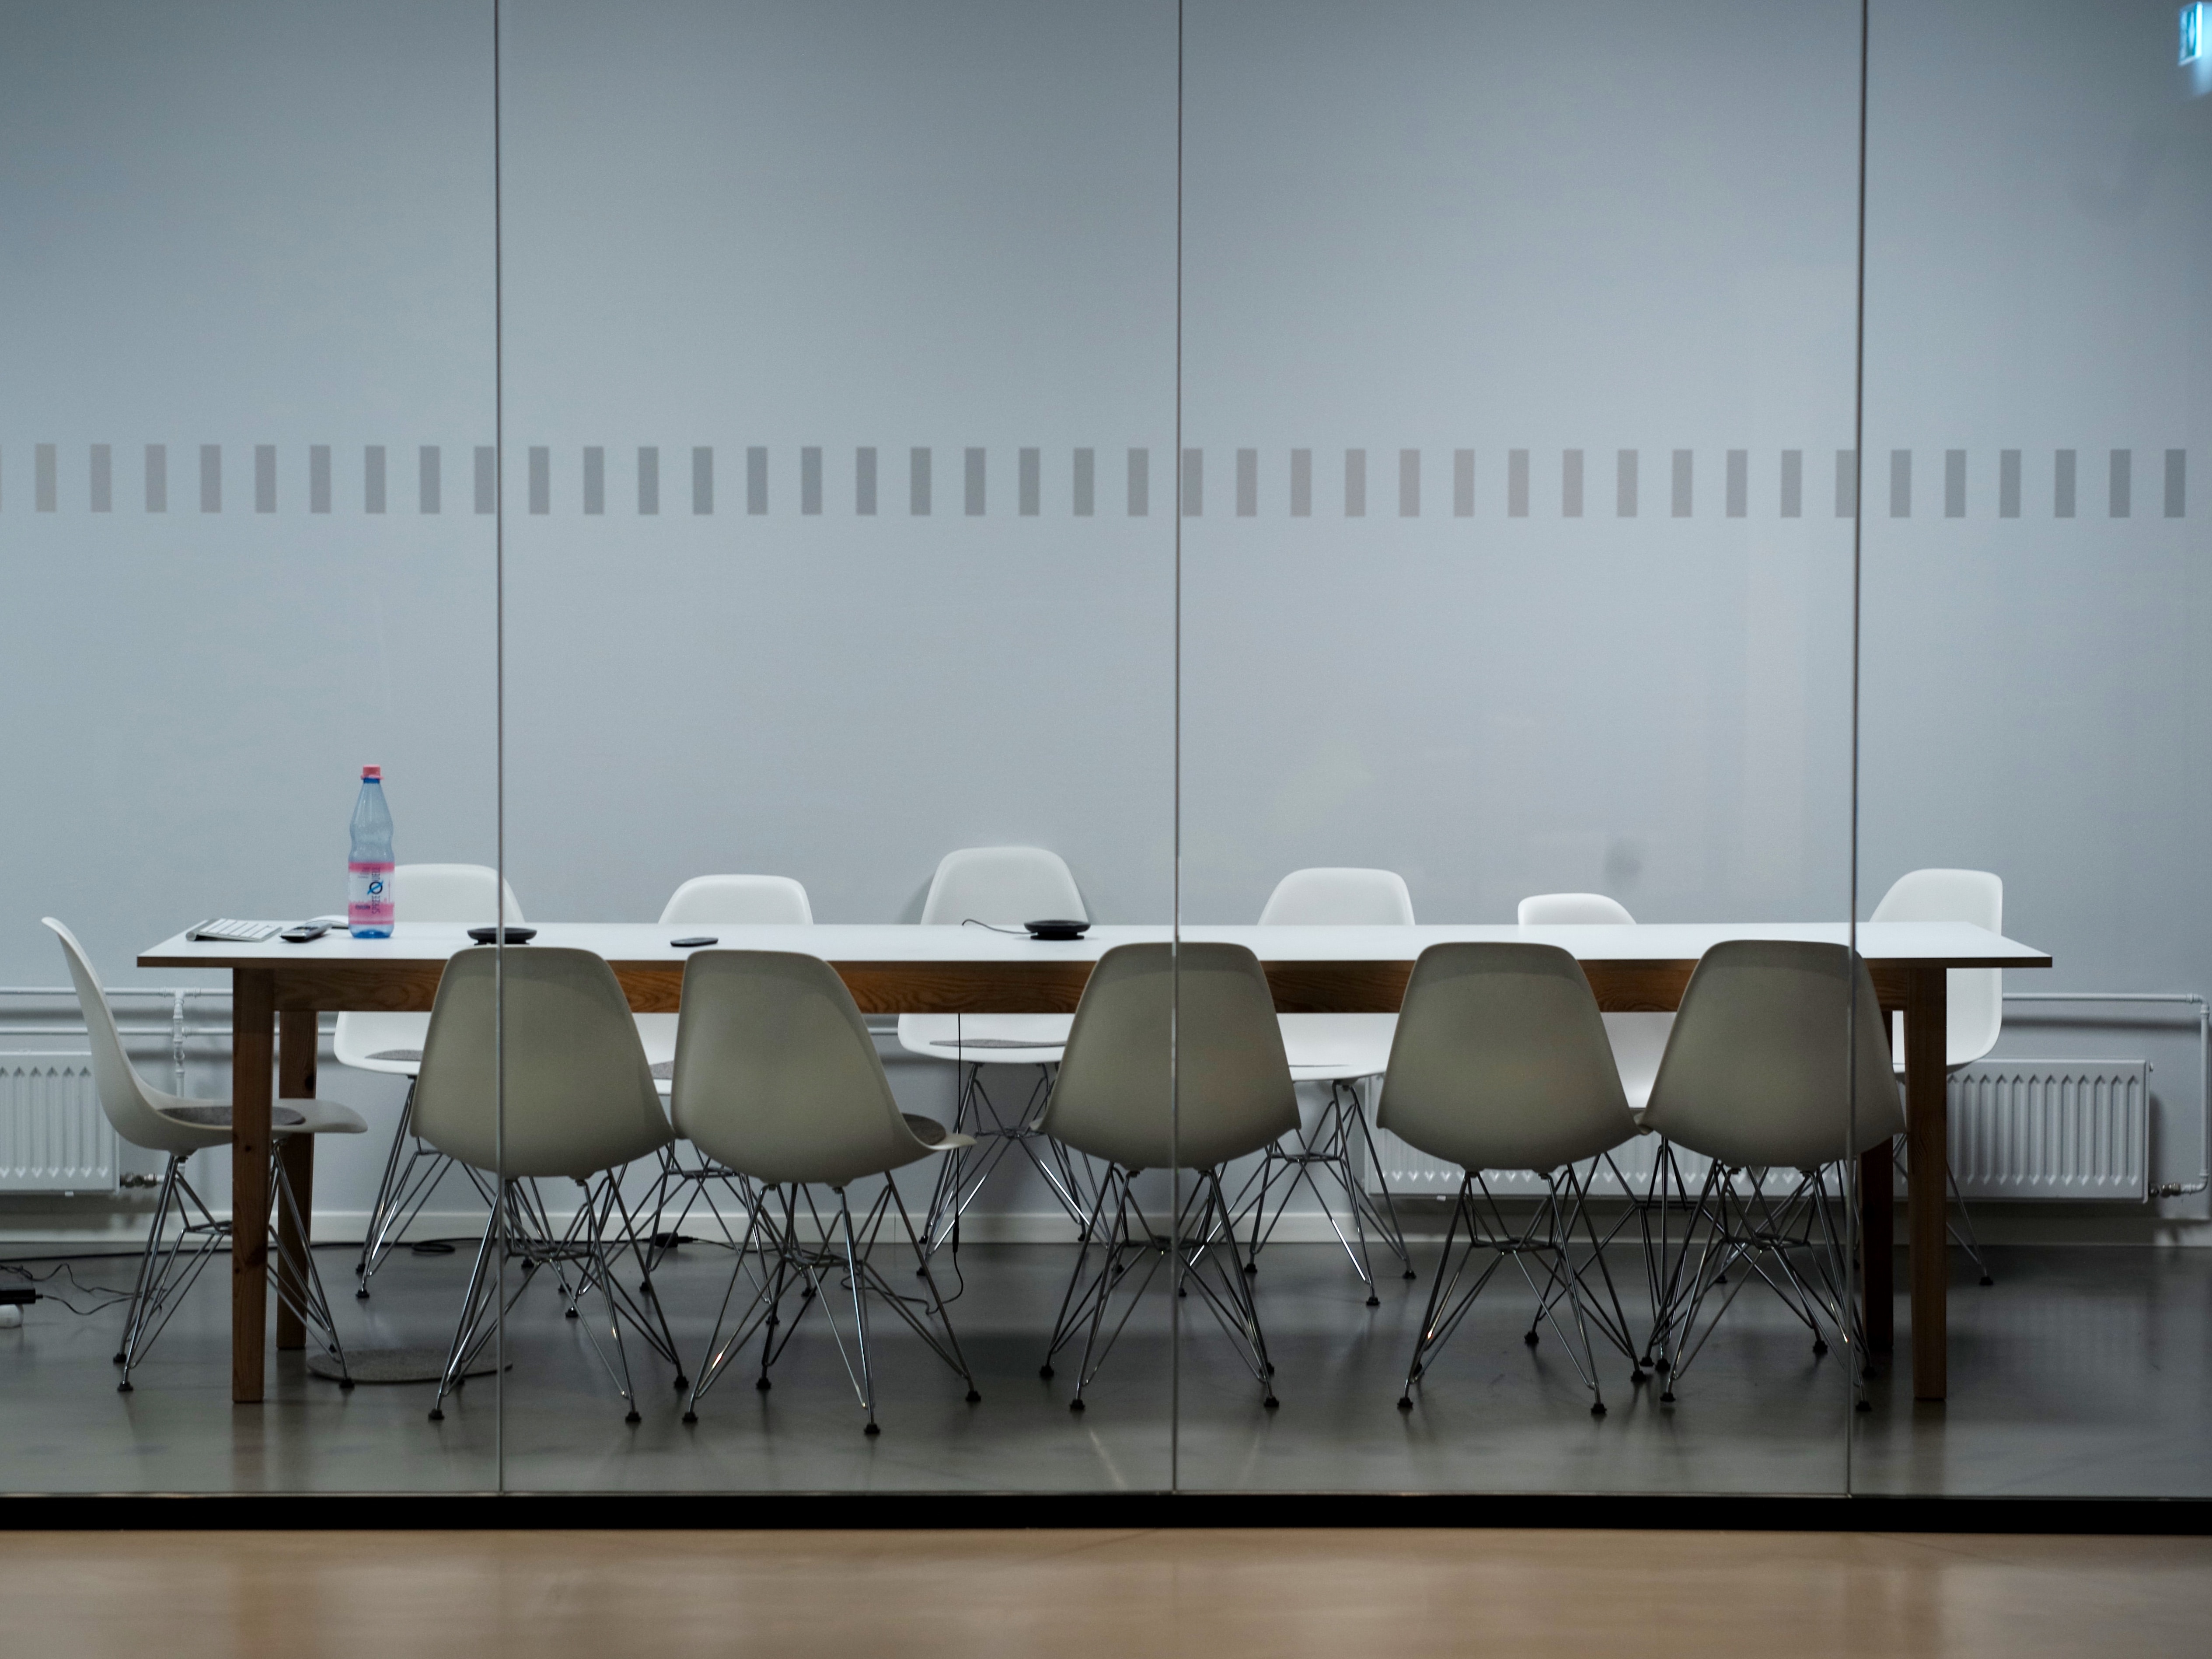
(2170, 1189)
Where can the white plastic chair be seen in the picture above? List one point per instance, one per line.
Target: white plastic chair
(176, 1126)
(731, 901)
(579, 1102)
(1973, 997)
(1757, 1078)
(1118, 1098)
(1638, 1039)
(374, 1041)
(1002, 887)
(1343, 1051)
(1501, 1062)
(777, 1079)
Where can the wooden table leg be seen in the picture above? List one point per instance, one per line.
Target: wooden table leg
(295, 1080)
(1878, 1245)
(252, 1017)
(1927, 1145)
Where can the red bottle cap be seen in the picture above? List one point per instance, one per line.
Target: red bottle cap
(376, 772)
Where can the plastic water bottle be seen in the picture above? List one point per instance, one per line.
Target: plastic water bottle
(368, 870)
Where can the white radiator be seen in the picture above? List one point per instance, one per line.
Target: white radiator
(2052, 1129)
(53, 1136)
(1409, 1172)
(2019, 1129)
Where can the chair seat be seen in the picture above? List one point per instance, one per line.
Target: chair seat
(932, 1134)
(1327, 1048)
(986, 1039)
(375, 1040)
(305, 1117)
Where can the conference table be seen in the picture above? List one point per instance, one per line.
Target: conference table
(278, 990)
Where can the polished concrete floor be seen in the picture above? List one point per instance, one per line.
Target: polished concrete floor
(1223, 1594)
(2084, 1372)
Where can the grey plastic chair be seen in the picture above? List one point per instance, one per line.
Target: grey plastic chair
(1501, 1062)
(579, 1105)
(1638, 1039)
(392, 1043)
(1779, 1062)
(176, 1126)
(778, 1080)
(1175, 1062)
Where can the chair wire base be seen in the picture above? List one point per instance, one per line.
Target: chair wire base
(520, 1222)
(965, 1169)
(411, 1174)
(167, 1272)
(1737, 1234)
(684, 1188)
(836, 1254)
(1331, 1147)
(1549, 1237)
(1967, 1240)
(1122, 1240)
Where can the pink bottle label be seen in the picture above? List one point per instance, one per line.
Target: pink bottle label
(369, 897)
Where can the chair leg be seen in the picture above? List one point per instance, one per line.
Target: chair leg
(380, 1209)
(1385, 1214)
(718, 1353)
(142, 1292)
(1090, 1297)
(1968, 1242)
(600, 1267)
(1561, 1244)
(949, 1350)
(1442, 1284)
(302, 1287)
(1967, 1239)
(459, 1352)
(1225, 1291)
(860, 1310)
(412, 1174)
(167, 1273)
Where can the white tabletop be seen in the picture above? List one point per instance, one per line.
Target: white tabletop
(1956, 943)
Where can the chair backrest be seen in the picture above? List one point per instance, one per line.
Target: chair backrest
(1326, 896)
(579, 1094)
(737, 899)
(776, 1075)
(1756, 1068)
(1501, 1061)
(1174, 1056)
(1974, 996)
(1573, 909)
(124, 1096)
(453, 892)
(425, 892)
(1003, 885)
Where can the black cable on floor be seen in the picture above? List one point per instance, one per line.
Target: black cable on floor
(67, 1266)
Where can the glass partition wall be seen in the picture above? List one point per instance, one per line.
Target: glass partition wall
(839, 557)
(1517, 364)
(246, 469)
(1361, 510)
(2032, 696)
